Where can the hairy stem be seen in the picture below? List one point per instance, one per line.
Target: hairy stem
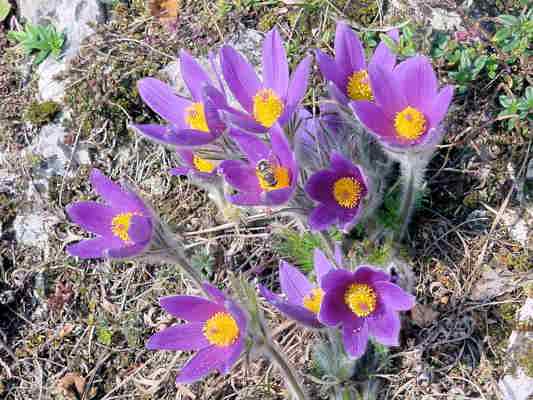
(329, 243)
(411, 175)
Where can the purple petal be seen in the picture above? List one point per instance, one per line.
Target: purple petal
(281, 148)
(333, 310)
(161, 98)
(386, 90)
(240, 76)
(336, 278)
(193, 74)
(373, 117)
(186, 156)
(294, 284)
(338, 94)
(383, 55)
(240, 175)
(85, 249)
(319, 186)
(366, 274)
(205, 361)
(275, 66)
(215, 293)
(115, 195)
(349, 52)
(338, 255)
(438, 109)
(235, 352)
(298, 85)
(190, 308)
(94, 217)
(355, 336)
(279, 196)
(140, 229)
(246, 199)
(254, 148)
(385, 327)
(418, 82)
(159, 133)
(330, 70)
(125, 251)
(243, 121)
(321, 218)
(394, 297)
(322, 265)
(179, 337)
(191, 138)
(180, 171)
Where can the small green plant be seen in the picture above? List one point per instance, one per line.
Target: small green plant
(5, 8)
(43, 40)
(515, 34)
(520, 108)
(406, 46)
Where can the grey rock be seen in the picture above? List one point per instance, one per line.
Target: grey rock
(492, 283)
(34, 229)
(49, 87)
(446, 20)
(519, 226)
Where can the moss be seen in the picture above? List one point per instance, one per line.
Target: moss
(39, 114)
(525, 358)
(508, 312)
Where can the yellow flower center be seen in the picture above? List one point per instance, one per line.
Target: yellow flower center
(272, 177)
(120, 226)
(347, 192)
(361, 299)
(203, 165)
(221, 329)
(410, 123)
(195, 117)
(268, 107)
(313, 300)
(359, 86)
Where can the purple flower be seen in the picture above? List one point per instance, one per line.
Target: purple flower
(216, 328)
(269, 176)
(124, 226)
(276, 98)
(408, 106)
(303, 299)
(193, 122)
(339, 191)
(194, 165)
(347, 72)
(365, 303)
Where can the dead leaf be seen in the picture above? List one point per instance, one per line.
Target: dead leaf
(111, 308)
(71, 385)
(493, 283)
(165, 10)
(66, 330)
(423, 315)
(63, 294)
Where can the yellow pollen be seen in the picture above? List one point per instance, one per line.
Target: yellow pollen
(203, 165)
(221, 329)
(268, 107)
(347, 192)
(410, 123)
(361, 299)
(195, 117)
(358, 87)
(313, 300)
(120, 226)
(280, 179)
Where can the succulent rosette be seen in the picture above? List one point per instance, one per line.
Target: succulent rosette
(193, 122)
(364, 303)
(302, 299)
(124, 225)
(268, 177)
(272, 100)
(193, 164)
(408, 105)
(348, 72)
(339, 191)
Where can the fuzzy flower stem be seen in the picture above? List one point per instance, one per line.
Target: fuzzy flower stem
(329, 243)
(412, 177)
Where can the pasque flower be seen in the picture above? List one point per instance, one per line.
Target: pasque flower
(364, 303)
(216, 328)
(302, 299)
(339, 191)
(124, 225)
(408, 106)
(269, 175)
(194, 165)
(347, 72)
(193, 122)
(272, 100)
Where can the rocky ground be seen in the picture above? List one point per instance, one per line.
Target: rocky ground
(71, 329)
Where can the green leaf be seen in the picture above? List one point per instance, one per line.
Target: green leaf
(41, 56)
(502, 34)
(505, 101)
(5, 8)
(529, 93)
(508, 20)
(389, 42)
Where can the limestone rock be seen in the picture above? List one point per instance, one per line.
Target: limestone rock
(33, 229)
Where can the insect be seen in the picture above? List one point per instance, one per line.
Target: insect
(265, 171)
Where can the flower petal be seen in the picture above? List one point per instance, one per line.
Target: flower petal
(336, 278)
(330, 71)
(438, 109)
(193, 74)
(275, 66)
(367, 274)
(355, 336)
(385, 327)
(125, 252)
(94, 217)
(116, 196)
(373, 117)
(216, 294)
(386, 90)
(298, 84)
(93, 248)
(243, 121)
(321, 218)
(418, 81)
(279, 196)
(161, 98)
(240, 76)
(140, 229)
(179, 337)
(191, 138)
(333, 310)
(293, 283)
(322, 264)
(394, 297)
(281, 148)
(181, 171)
(254, 148)
(349, 52)
(240, 175)
(190, 308)
(319, 186)
(205, 361)
(383, 55)
(246, 199)
(158, 133)
(235, 351)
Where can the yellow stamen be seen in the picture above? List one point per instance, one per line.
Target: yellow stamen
(347, 192)
(313, 300)
(358, 87)
(361, 299)
(195, 117)
(410, 123)
(203, 165)
(120, 226)
(280, 179)
(221, 329)
(268, 107)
